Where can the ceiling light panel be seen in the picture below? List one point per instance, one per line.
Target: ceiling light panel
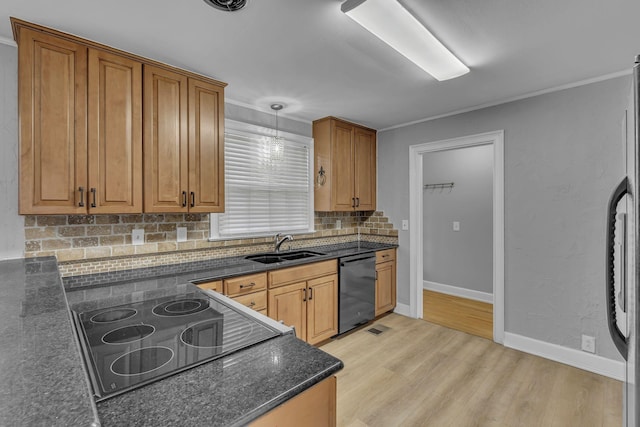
(393, 24)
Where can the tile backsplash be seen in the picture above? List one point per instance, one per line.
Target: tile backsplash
(95, 243)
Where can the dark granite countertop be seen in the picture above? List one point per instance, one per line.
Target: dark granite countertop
(42, 378)
(231, 391)
(214, 269)
(45, 381)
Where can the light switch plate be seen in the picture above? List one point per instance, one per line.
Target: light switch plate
(338, 224)
(137, 236)
(456, 225)
(181, 234)
(405, 224)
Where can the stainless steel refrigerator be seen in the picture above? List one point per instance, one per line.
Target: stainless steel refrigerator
(622, 265)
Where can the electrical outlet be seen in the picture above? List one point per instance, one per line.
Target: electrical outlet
(405, 224)
(588, 344)
(338, 224)
(456, 225)
(181, 234)
(137, 236)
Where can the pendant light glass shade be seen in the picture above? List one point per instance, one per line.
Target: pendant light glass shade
(393, 24)
(276, 146)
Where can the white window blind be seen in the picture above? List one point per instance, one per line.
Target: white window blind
(264, 196)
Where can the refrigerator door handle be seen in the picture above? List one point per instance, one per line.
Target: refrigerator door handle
(618, 337)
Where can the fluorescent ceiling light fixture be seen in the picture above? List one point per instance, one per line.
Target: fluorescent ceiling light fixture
(393, 24)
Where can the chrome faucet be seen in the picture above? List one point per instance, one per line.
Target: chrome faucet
(278, 241)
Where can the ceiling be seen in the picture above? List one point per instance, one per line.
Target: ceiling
(310, 56)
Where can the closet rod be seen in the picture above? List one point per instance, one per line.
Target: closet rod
(440, 185)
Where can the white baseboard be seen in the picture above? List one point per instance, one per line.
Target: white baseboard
(403, 309)
(569, 356)
(458, 292)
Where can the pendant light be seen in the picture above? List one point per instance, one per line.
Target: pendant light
(276, 148)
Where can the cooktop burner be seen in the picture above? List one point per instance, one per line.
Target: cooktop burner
(114, 315)
(134, 344)
(183, 307)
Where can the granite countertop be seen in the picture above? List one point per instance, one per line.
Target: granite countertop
(230, 391)
(214, 269)
(43, 382)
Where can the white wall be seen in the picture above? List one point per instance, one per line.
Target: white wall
(563, 157)
(464, 258)
(11, 224)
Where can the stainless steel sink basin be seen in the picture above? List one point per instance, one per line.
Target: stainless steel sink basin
(273, 257)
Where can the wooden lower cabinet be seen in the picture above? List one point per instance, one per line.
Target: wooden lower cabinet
(314, 407)
(385, 281)
(311, 307)
(322, 308)
(289, 305)
(215, 285)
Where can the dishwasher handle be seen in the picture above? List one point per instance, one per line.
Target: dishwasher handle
(344, 262)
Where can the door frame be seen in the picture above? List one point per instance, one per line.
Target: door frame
(416, 152)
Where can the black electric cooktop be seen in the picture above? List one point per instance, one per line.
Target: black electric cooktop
(134, 344)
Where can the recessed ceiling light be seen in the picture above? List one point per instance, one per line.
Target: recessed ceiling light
(393, 24)
(227, 5)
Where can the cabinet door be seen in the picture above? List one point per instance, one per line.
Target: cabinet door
(206, 147)
(289, 305)
(52, 110)
(385, 287)
(114, 134)
(322, 308)
(166, 162)
(314, 407)
(342, 167)
(364, 144)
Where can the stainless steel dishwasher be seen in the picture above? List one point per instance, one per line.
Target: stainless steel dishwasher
(356, 304)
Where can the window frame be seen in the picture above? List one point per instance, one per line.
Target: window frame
(251, 130)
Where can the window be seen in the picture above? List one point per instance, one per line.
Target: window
(264, 196)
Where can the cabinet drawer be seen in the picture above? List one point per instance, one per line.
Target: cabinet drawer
(386, 255)
(245, 284)
(303, 272)
(255, 300)
(215, 285)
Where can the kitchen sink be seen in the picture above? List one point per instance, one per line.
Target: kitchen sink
(273, 257)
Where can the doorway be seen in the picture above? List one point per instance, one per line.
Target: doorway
(417, 155)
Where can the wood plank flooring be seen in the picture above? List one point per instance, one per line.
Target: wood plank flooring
(421, 374)
(463, 314)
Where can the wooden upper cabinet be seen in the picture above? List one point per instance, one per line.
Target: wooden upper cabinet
(346, 153)
(52, 109)
(183, 143)
(115, 134)
(342, 156)
(84, 121)
(206, 147)
(364, 159)
(166, 160)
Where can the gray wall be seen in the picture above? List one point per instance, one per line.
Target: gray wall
(462, 258)
(11, 224)
(563, 157)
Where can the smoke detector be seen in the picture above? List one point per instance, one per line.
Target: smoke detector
(227, 5)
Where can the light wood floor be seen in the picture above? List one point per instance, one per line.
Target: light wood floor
(421, 374)
(463, 314)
